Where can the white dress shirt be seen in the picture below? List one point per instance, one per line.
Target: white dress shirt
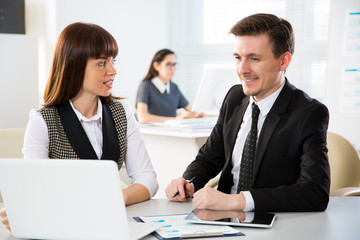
(264, 106)
(160, 85)
(137, 161)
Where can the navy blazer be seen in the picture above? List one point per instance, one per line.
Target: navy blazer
(291, 168)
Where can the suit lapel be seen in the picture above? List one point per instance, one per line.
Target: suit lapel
(111, 148)
(273, 118)
(75, 132)
(236, 121)
(226, 179)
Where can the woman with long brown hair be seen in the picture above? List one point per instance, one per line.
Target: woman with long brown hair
(81, 119)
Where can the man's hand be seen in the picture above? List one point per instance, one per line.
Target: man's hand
(185, 190)
(213, 215)
(210, 198)
(4, 218)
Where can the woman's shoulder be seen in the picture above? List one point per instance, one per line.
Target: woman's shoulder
(36, 119)
(174, 86)
(146, 82)
(46, 109)
(48, 112)
(35, 113)
(124, 104)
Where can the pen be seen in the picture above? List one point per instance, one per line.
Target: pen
(202, 234)
(188, 181)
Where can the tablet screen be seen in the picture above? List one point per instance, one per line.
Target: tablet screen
(231, 218)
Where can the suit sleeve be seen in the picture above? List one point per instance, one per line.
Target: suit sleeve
(211, 157)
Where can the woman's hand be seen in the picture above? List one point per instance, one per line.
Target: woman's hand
(190, 114)
(4, 218)
(135, 193)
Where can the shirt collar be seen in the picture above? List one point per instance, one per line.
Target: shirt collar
(266, 104)
(96, 117)
(160, 85)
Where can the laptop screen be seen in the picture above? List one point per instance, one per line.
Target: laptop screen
(63, 199)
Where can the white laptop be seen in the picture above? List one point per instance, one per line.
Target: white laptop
(66, 199)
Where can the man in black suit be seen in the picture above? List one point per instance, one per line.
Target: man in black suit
(289, 170)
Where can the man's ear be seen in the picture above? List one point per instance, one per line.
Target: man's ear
(285, 61)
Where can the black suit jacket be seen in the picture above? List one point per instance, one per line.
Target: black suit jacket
(291, 169)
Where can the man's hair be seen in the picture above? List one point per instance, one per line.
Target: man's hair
(279, 31)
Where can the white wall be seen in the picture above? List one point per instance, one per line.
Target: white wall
(40, 22)
(18, 79)
(344, 123)
(139, 26)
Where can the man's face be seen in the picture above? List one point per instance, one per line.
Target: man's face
(260, 72)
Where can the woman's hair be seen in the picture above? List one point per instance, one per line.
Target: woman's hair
(158, 57)
(279, 31)
(76, 44)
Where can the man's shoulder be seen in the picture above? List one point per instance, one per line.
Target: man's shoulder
(301, 101)
(306, 100)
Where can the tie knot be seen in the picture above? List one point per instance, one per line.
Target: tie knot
(255, 112)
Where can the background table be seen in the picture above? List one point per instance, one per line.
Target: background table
(171, 151)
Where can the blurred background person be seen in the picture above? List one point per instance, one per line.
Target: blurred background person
(158, 97)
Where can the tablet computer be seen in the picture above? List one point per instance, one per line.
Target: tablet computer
(231, 218)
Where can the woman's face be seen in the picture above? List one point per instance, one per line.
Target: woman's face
(166, 69)
(99, 76)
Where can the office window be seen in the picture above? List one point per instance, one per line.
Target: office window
(220, 16)
(199, 35)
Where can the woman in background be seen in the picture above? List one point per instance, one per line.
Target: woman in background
(81, 119)
(158, 98)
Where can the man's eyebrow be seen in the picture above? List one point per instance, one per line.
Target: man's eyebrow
(248, 55)
(253, 55)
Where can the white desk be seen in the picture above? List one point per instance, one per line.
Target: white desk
(171, 151)
(341, 220)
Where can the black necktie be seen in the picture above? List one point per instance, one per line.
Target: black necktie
(248, 155)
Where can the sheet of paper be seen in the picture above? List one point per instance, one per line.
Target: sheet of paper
(350, 89)
(175, 226)
(351, 44)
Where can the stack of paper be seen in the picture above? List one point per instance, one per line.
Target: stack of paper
(192, 123)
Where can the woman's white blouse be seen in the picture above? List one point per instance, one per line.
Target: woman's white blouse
(137, 161)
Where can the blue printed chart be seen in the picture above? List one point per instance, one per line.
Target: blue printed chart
(351, 45)
(174, 226)
(350, 100)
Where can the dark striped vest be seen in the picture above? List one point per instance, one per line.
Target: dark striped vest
(60, 147)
